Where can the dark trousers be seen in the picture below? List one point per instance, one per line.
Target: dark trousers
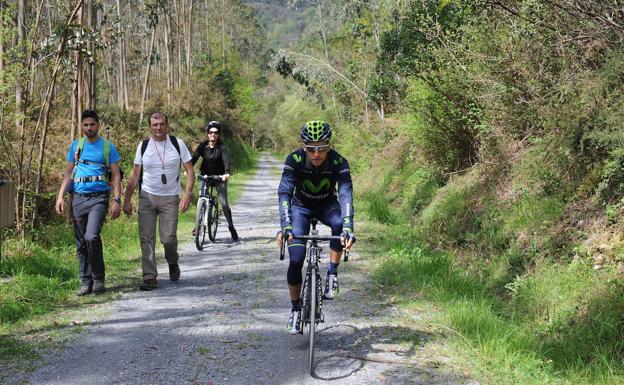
(329, 215)
(89, 215)
(223, 198)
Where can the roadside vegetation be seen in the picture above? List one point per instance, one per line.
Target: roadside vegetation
(487, 146)
(488, 155)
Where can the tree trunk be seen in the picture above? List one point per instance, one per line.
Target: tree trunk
(148, 67)
(91, 93)
(179, 42)
(19, 124)
(223, 30)
(189, 42)
(168, 56)
(123, 74)
(75, 105)
(207, 20)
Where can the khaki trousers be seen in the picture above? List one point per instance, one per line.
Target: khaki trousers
(164, 210)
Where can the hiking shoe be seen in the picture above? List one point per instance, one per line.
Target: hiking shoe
(85, 289)
(331, 286)
(149, 284)
(98, 287)
(294, 322)
(174, 272)
(234, 234)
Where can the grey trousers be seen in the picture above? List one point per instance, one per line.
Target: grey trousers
(89, 215)
(164, 210)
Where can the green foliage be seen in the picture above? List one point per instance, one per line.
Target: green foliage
(378, 208)
(441, 127)
(448, 218)
(290, 115)
(558, 327)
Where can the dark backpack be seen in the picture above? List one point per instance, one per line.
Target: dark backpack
(144, 144)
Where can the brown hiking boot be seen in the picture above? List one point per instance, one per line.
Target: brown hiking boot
(149, 284)
(98, 287)
(174, 272)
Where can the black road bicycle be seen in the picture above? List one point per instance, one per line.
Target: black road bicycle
(207, 217)
(312, 288)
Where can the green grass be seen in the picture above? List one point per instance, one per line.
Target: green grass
(557, 324)
(38, 277)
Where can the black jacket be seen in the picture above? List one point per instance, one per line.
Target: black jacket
(215, 160)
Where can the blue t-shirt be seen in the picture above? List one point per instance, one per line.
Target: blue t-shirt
(94, 153)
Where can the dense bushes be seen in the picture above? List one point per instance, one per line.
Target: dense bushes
(509, 159)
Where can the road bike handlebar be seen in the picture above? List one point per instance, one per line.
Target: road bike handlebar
(311, 238)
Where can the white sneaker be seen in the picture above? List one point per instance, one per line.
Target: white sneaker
(331, 286)
(294, 322)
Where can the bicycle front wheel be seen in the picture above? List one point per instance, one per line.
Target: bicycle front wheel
(213, 220)
(200, 226)
(312, 325)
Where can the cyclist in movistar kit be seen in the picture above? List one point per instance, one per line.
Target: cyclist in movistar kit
(307, 190)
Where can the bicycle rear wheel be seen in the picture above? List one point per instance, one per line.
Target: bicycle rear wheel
(200, 226)
(312, 325)
(213, 220)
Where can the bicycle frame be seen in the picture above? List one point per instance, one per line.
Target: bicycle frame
(207, 206)
(206, 193)
(312, 287)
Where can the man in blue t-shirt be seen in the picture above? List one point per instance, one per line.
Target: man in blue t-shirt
(92, 166)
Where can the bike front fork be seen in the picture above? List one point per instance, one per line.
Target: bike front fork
(319, 295)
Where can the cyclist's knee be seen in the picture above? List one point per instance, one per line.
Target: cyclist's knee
(294, 273)
(335, 245)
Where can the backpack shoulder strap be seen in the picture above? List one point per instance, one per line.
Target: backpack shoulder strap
(144, 146)
(107, 150)
(79, 147)
(175, 143)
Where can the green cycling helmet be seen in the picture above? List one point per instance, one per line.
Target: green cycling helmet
(316, 131)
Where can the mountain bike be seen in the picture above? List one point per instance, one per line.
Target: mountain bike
(312, 288)
(207, 217)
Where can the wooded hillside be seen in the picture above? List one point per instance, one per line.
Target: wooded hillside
(485, 137)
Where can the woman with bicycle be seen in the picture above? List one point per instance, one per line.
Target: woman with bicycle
(307, 190)
(215, 161)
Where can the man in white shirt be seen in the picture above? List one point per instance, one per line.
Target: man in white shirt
(157, 170)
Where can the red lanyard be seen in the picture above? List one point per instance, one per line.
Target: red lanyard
(162, 158)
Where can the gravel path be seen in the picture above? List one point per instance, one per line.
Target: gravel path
(224, 322)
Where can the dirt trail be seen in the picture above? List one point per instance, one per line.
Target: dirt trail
(224, 322)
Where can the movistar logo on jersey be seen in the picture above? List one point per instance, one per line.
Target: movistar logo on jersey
(337, 161)
(298, 158)
(323, 185)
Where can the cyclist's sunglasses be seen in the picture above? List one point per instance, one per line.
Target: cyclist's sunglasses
(320, 148)
(213, 132)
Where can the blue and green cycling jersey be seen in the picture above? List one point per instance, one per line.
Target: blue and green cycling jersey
(315, 187)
